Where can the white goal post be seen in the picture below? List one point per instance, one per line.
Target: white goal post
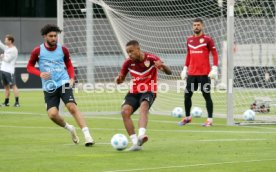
(96, 31)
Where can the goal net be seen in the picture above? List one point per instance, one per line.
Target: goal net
(96, 31)
(255, 58)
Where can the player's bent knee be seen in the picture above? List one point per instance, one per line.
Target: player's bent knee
(52, 112)
(72, 108)
(144, 105)
(126, 111)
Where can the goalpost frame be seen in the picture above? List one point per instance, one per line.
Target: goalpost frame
(230, 42)
(60, 21)
(89, 43)
(60, 24)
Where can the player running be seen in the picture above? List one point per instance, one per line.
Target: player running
(199, 72)
(57, 76)
(143, 70)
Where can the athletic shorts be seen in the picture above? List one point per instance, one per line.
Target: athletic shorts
(135, 100)
(52, 99)
(7, 78)
(193, 82)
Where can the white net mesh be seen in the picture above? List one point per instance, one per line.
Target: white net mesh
(97, 45)
(254, 57)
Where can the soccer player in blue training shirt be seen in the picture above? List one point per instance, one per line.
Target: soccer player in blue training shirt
(57, 75)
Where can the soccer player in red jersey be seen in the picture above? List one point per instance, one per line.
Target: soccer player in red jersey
(197, 70)
(143, 69)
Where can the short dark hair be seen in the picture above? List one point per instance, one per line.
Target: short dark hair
(198, 20)
(132, 42)
(10, 38)
(50, 28)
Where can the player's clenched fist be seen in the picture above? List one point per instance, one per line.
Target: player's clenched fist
(119, 79)
(45, 75)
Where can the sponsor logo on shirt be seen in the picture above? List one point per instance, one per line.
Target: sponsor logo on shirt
(132, 64)
(195, 52)
(141, 78)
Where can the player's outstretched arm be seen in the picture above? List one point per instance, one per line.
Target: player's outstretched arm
(160, 65)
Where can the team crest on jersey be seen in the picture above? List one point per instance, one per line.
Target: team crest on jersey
(24, 77)
(147, 63)
(201, 40)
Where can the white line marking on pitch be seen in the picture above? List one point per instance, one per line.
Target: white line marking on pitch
(152, 130)
(193, 165)
(108, 129)
(114, 118)
(189, 141)
(213, 131)
(229, 140)
(97, 143)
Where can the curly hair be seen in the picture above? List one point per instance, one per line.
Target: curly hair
(132, 42)
(198, 20)
(50, 28)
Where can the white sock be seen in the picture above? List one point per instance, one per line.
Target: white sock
(142, 131)
(68, 127)
(86, 132)
(210, 119)
(133, 139)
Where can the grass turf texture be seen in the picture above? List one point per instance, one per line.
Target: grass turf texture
(31, 142)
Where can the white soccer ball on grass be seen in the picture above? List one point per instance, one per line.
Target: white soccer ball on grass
(196, 112)
(177, 112)
(119, 142)
(249, 115)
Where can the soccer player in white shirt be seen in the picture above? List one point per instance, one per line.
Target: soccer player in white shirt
(7, 69)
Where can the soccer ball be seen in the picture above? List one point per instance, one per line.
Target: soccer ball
(177, 112)
(196, 112)
(119, 142)
(249, 115)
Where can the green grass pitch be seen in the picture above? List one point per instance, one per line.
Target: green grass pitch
(30, 142)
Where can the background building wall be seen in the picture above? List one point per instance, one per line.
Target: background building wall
(26, 31)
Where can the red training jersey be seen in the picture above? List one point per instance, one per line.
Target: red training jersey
(198, 50)
(143, 73)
